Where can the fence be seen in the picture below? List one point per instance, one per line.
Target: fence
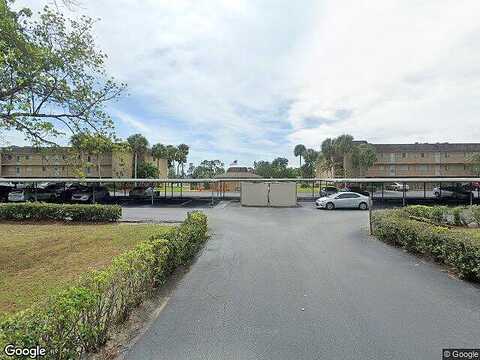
(395, 190)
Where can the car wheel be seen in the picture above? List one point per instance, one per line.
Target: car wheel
(363, 206)
(330, 206)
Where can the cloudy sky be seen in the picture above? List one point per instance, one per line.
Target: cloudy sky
(249, 79)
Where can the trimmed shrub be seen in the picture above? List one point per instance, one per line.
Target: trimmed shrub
(456, 248)
(78, 319)
(60, 212)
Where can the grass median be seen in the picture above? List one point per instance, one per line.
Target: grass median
(38, 259)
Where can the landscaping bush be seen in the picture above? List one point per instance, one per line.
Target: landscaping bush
(78, 319)
(456, 248)
(60, 212)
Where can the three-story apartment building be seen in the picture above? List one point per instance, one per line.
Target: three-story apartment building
(414, 160)
(62, 162)
(423, 160)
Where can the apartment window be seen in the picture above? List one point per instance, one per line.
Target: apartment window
(422, 168)
(446, 154)
(381, 167)
(9, 157)
(18, 157)
(44, 168)
(64, 157)
(422, 155)
(403, 168)
(89, 159)
(27, 157)
(88, 170)
(17, 170)
(404, 155)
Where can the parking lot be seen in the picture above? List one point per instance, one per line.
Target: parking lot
(301, 283)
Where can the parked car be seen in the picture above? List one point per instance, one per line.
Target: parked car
(396, 186)
(4, 191)
(141, 192)
(91, 194)
(69, 189)
(328, 190)
(30, 193)
(356, 189)
(345, 199)
(452, 192)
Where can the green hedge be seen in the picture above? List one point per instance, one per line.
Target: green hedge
(78, 320)
(457, 248)
(60, 212)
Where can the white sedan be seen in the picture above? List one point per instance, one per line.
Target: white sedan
(343, 200)
(398, 186)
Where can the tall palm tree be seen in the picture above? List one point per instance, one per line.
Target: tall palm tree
(159, 152)
(171, 155)
(299, 150)
(139, 145)
(183, 150)
(344, 146)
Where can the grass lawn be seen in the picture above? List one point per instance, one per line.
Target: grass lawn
(36, 259)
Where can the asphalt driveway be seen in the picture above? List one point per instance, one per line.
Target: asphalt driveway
(309, 284)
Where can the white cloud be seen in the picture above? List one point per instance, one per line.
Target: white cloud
(246, 79)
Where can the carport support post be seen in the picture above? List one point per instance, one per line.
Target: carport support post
(165, 190)
(181, 190)
(114, 189)
(171, 190)
(35, 190)
(93, 193)
(424, 190)
(403, 198)
(370, 206)
(313, 190)
(153, 191)
(471, 194)
(211, 184)
(383, 187)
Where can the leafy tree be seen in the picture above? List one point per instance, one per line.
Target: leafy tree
(139, 145)
(52, 78)
(474, 161)
(278, 168)
(308, 169)
(208, 169)
(299, 151)
(92, 144)
(147, 171)
(364, 156)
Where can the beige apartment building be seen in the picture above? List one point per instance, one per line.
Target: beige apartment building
(417, 160)
(62, 162)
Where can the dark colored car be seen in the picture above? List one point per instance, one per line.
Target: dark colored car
(91, 194)
(141, 192)
(328, 190)
(70, 189)
(4, 191)
(452, 192)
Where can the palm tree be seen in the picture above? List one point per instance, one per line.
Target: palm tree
(182, 155)
(159, 152)
(171, 155)
(344, 146)
(299, 151)
(139, 145)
